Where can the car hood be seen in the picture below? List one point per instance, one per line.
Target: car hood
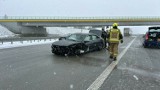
(64, 43)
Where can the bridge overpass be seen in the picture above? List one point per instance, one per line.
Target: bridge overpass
(35, 25)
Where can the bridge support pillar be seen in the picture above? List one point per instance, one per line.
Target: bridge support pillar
(18, 28)
(33, 31)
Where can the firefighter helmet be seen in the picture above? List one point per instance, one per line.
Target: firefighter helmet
(115, 25)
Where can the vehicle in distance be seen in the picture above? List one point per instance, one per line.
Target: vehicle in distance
(152, 37)
(77, 43)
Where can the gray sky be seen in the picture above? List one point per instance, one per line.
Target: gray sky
(80, 7)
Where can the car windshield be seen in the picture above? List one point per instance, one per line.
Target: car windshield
(76, 37)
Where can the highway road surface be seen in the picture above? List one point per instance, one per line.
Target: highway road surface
(36, 68)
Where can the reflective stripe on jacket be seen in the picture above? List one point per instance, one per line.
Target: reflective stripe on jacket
(114, 35)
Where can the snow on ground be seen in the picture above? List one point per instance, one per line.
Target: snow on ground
(64, 30)
(4, 32)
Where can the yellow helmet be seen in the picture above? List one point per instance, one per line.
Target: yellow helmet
(115, 25)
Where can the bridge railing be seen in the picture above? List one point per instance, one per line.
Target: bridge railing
(79, 18)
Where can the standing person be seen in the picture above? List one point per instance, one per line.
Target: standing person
(104, 36)
(114, 36)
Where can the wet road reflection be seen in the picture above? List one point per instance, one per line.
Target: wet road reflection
(97, 59)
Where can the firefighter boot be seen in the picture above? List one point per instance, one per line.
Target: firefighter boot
(114, 58)
(110, 56)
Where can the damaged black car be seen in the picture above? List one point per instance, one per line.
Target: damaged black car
(77, 43)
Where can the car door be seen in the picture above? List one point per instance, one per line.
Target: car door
(88, 42)
(96, 41)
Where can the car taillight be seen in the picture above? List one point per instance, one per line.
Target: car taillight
(147, 36)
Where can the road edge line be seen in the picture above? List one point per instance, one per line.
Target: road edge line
(104, 75)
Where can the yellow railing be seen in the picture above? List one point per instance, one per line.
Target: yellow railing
(61, 17)
(77, 19)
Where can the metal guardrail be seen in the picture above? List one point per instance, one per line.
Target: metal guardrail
(11, 40)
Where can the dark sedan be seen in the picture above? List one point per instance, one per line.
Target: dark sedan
(152, 37)
(77, 43)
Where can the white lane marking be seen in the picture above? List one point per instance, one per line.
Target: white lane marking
(101, 78)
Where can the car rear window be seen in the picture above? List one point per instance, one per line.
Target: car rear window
(154, 30)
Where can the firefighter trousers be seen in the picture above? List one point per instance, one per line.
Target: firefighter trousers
(113, 49)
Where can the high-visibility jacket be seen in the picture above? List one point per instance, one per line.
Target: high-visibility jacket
(114, 35)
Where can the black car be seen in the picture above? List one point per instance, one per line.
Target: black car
(152, 37)
(77, 43)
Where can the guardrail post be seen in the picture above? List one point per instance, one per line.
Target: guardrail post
(21, 41)
(2, 41)
(11, 41)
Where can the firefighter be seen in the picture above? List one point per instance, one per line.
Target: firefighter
(114, 36)
(104, 36)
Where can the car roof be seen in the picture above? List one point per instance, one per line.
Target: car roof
(96, 32)
(85, 33)
(154, 27)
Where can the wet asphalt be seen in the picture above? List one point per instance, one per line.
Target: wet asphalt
(138, 69)
(36, 68)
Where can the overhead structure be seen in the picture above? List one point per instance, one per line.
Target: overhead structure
(35, 25)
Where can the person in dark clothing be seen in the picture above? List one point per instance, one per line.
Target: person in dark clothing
(104, 36)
